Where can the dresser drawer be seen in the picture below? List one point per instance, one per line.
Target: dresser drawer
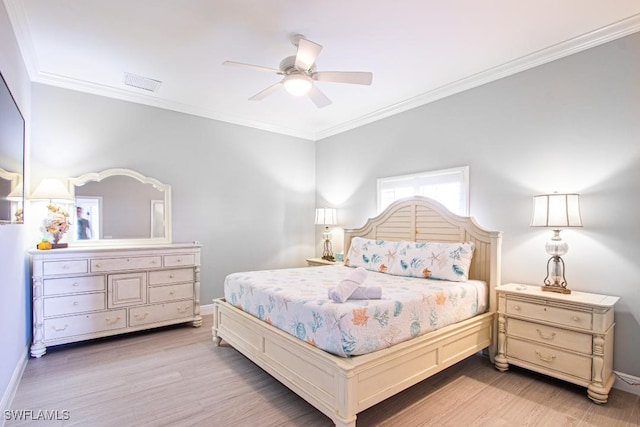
(50, 268)
(171, 276)
(72, 285)
(69, 326)
(160, 312)
(570, 340)
(551, 314)
(125, 263)
(58, 306)
(171, 292)
(179, 260)
(550, 358)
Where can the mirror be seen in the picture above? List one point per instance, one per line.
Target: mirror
(120, 206)
(11, 158)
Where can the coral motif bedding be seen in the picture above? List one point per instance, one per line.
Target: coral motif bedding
(295, 300)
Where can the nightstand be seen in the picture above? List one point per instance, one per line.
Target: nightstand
(566, 336)
(315, 262)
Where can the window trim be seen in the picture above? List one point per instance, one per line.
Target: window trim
(464, 170)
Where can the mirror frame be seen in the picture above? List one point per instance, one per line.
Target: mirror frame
(16, 180)
(99, 176)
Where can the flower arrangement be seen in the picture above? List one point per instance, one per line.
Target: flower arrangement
(56, 223)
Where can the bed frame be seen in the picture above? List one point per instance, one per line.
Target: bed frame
(341, 387)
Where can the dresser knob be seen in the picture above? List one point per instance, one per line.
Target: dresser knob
(179, 260)
(75, 284)
(171, 276)
(98, 265)
(544, 358)
(76, 303)
(576, 318)
(546, 337)
(172, 292)
(517, 308)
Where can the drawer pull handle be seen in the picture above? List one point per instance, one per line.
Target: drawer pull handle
(111, 322)
(545, 358)
(140, 317)
(546, 337)
(59, 329)
(182, 309)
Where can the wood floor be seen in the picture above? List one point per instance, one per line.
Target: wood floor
(177, 377)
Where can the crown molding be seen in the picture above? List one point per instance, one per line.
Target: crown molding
(580, 43)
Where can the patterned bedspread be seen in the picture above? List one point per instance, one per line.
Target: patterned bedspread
(295, 300)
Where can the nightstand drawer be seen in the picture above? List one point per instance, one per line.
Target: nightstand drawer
(550, 335)
(550, 358)
(546, 313)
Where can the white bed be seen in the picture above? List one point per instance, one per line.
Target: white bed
(342, 387)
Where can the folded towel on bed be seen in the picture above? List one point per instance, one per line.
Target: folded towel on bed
(347, 286)
(364, 292)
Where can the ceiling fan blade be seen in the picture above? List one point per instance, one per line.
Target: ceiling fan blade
(251, 67)
(318, 98)
(268, 91)
(307, 53)
(354, 77)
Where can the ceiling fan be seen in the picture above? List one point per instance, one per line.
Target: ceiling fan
(299, 73)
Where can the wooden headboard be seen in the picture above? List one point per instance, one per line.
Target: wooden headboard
(421, 219)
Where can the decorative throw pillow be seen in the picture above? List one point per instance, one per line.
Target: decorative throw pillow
(373, 255)
(433, 260)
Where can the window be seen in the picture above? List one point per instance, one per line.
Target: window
(448, 186)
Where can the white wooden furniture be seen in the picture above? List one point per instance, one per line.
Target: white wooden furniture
(566, 336)
(83, 293)
(316, 262)
(342, 387)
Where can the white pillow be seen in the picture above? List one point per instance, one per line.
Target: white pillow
(434, 260)
(373, 255)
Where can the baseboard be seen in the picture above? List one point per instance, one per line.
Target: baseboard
(12, 387)
(206, 309)
(628, 383)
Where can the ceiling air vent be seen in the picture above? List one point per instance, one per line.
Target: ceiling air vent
(140, 82)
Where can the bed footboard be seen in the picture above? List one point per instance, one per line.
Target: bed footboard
(342, 387)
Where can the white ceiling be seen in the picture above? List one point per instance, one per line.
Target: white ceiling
(418, 50)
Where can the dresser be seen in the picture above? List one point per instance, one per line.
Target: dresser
(566, 336)
(84, 293)
(318, 262)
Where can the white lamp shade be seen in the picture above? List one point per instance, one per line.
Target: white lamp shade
(52, 189)
(556, 211)
(16, 193)
(326, 216)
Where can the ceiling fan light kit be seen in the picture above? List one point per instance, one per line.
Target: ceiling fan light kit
(297, 84)
(299, 72)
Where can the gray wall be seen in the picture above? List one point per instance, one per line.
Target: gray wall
(14, 294)
(571, 125)
(247, 195)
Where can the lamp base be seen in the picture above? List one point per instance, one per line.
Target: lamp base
(558, 289)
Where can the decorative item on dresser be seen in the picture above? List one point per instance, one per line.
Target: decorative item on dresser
(566, 336)
(90, 292)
